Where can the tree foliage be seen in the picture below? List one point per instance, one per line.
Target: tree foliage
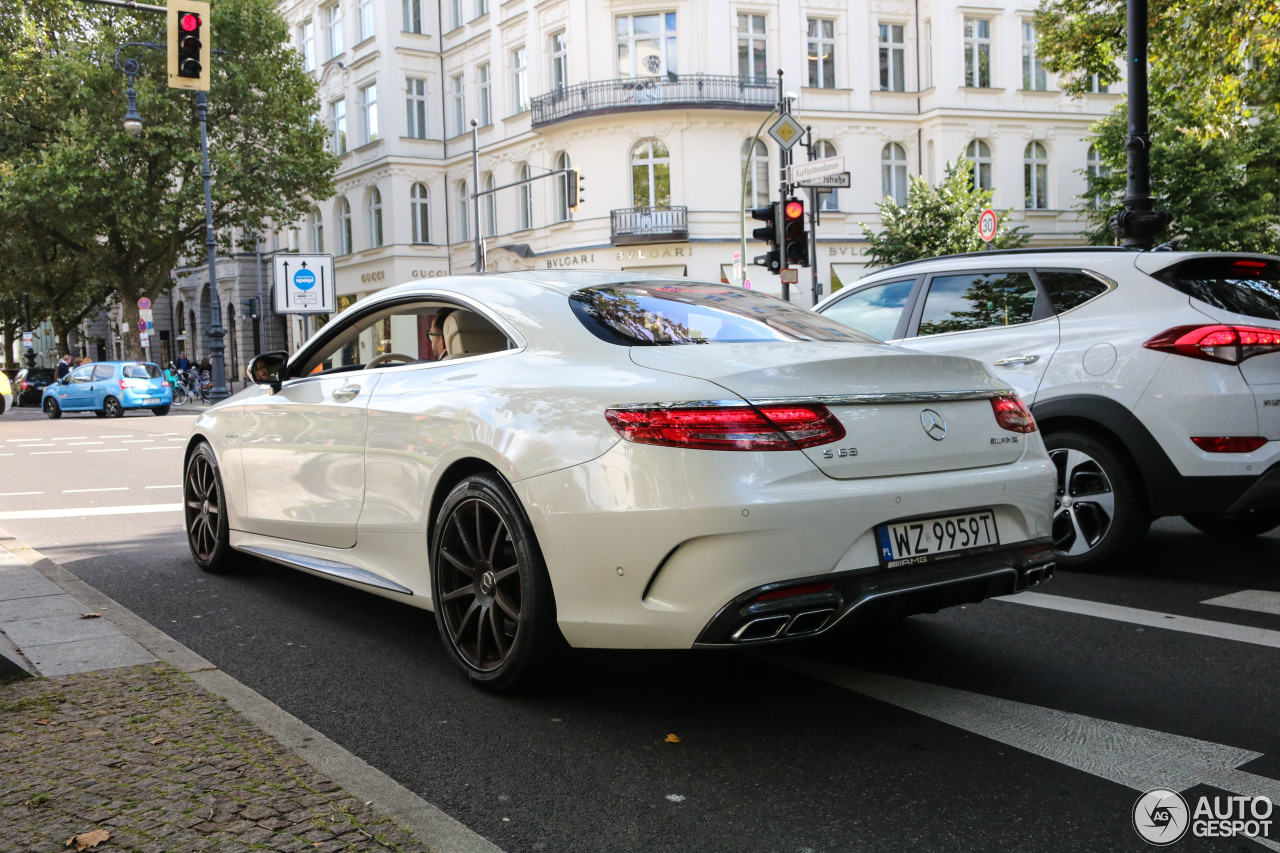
(936, 220)
(122, 212)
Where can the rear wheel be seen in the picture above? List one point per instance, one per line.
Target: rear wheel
(51, 408)
(180, 397)
(493, 601)
(1100, 513)
(111, 408)
(205, 511)
(161, 410)
(1252, 523)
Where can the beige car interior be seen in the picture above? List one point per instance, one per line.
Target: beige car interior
(467, 333)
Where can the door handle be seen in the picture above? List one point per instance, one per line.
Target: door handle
(1016, 359)
(345, 393)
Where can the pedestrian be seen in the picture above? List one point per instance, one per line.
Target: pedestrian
(183, 362)
(63, 368)
(206, 368)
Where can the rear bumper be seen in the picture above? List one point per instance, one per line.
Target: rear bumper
(133, 399)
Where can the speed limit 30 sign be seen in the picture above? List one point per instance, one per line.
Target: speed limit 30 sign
(987, 225)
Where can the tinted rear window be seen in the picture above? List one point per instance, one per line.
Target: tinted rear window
(141, 371)
(1070, 288)
(40, 374)
(1241, 285)
(677, 312)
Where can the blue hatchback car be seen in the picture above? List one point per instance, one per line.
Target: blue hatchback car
(107, 388)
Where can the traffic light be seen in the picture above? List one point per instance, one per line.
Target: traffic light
(770, 234)
(573, 189)
(797, 236)
(251, 307)
(188, 46)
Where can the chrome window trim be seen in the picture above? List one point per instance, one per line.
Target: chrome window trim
(886, 398)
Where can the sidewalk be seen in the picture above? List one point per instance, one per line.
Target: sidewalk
(126, 732)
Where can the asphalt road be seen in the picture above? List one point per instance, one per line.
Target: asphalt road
(1026, 724)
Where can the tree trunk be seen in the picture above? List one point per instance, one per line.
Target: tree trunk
(7, 332)
(129, 316)
(61, 335)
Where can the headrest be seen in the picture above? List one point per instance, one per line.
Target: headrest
(467, 333)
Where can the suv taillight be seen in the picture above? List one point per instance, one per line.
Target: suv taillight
(1223, 344)
(729, 427)
(1228, 443)
(1012, 414)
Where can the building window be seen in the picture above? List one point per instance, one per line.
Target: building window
(977, 53)
(419, 213)
(364, 13)
(333, 16)
(489, 208)
(1033, 73)
(464, 212)
(455, 14)
(317, 232)
(482, 7)
(893, 58)
(822, 53)
(519, 80)
(459, 106)
(307, 45)
(650, 174)
(526, 200)
(647, 44)
(339, 109)
(1095, 169)
(562, 188)
(893, 172)
(827, 199)
(1035, 165)
(375, 218)
(1097, 87)
(369, 111)
(486, 95)
(416, 103)
(979, 154)
(559, 50)
(927, 50)
(753, 64)
(413, 16)
(756, 166)
(344, 227)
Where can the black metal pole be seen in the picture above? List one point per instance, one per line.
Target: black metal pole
(1138, 225)
(784, 163)
(216, 332)
(29, 353)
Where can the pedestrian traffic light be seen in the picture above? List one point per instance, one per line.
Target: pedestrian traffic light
(188, 46)
(573, 189)
(251, 307)
(797, 236)
(769, 233)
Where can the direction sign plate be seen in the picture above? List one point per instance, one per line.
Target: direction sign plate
(836, 181)
(816, 169)
(304, 284)
(787, 131)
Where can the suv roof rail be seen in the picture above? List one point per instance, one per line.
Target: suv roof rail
(1023, 251)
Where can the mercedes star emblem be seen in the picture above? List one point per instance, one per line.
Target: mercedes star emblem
(934, 426)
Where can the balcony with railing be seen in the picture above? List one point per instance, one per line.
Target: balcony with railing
(632, 225)
(669, 91)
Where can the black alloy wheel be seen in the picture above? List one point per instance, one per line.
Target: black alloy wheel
(51, 408)
(1099, 511)
(111, 408)
(492, 595)
(205, 511)
(1252, 523)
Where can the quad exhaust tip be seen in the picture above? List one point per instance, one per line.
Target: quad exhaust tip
(783, 625)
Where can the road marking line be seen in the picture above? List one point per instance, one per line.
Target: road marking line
(174, 486)
(1149, 618)
(126, 435)
(51, 452)
(177, 439)
(6, 454)
(78, 443)
(108, 489)
(24, 439)
(1257, 600)
(51, 444)
(70, 437)
(108, 450)
(163, 447)
(89, 510)
(138, 441)
(18, 494)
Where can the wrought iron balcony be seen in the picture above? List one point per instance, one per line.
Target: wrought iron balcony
(631, 225)
(666, 92)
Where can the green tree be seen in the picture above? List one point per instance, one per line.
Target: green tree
(936, 220)
(128, 210)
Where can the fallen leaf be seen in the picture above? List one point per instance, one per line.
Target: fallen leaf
(158, 740)
(90, 615)
(88, 840)
(672, 739)
(46, 722)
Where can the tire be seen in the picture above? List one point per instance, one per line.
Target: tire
(494, 606)
(1100, 514)
(51, 409)
(111, 408)
(180, 397)
(160, 410)
(98, 413)
(1253, 523)
(204, 511)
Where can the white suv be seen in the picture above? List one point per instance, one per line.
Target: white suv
(1154, 376)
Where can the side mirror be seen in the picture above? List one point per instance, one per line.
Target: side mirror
(268, 369)
(64, 380)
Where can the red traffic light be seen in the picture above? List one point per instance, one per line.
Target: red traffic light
(794, 210)
(189, 22)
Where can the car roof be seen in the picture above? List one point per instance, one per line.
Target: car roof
(559, 281)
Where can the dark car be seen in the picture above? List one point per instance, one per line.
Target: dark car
(29, 385)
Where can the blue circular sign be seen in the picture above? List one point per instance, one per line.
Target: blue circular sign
(304, 279)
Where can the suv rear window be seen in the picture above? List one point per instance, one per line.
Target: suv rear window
(660, 313)
(1241, 285)
(141, 371)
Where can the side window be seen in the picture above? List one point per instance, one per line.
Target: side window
(874, 310)
(80, 374)
(403, 334)
(103, 371)
(1070, 288)
(961, 303)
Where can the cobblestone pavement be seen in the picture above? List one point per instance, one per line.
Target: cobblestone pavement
(148, 755)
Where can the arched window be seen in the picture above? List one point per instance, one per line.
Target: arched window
(1095, 169)
(344, 227)
(756, 165)
(464, 212)
(827, 199)
(317, 232)
(419, 213)
(562, 188)
(893, 172)
(650, 174)
(489, 209)
(526, 200)
(979, 154)
(1035, 170)
(375, 218)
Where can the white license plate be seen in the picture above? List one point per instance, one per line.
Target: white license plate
(918, 541)
(153, 401)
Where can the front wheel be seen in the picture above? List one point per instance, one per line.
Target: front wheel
(180, 397)
(51, 409)
(111, 408)
(1100, 512)
(1253, 523)
(493, 601)
(205, 511)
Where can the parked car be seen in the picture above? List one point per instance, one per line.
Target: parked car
(621, 461)
(29, 385)
(6, 393)
(1154, 376)
(108, 388)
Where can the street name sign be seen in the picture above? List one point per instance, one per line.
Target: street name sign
(303, 284)
(816, 169)
(828, 182)
(787, 131)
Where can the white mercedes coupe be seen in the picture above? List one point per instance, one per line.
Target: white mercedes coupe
(614, 460)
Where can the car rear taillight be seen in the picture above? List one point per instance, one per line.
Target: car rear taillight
(728, 427)
(1012, 414)
(164, 383)
(1228, 443)
(1223, 344)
